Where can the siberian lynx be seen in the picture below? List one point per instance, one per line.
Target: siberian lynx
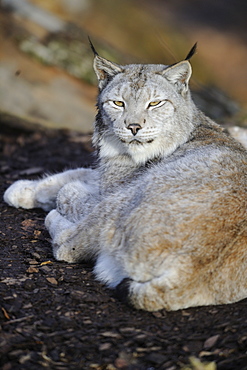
(164, 215)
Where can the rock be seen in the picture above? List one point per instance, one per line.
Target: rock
(33, 13)
(239, 133)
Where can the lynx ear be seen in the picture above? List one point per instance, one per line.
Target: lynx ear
(105, 70)
(179, 75)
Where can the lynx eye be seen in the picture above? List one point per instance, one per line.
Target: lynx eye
(154, 103)
(118, 103)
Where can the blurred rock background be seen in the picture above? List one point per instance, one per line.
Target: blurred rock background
(46, 74)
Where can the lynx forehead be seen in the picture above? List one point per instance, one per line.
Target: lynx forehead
(164, 215)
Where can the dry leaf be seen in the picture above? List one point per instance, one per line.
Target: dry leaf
(28, 224)
(52, 280)
(6, 315)
(196, 364)
(45, 263)
(37, 233)
(210, 342)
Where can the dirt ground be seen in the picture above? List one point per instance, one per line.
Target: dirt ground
(55, 315)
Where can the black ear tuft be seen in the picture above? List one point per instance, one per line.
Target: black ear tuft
(191, 52)
(92, 47)
(122, 291)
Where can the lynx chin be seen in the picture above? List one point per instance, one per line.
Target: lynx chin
(164, 215)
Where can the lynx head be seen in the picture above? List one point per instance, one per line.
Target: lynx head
(144, 111)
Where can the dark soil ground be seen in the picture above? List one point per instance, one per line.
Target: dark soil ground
(55, 315)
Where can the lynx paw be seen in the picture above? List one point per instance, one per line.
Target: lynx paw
(21, 194)
(60, 230)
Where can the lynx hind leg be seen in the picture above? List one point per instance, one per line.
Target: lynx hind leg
(144, 296)
(141, 295)
(171, 290)
(172, 293)
(75, 199)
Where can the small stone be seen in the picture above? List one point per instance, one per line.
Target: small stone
(157, 358)
(36, 255)
(45, 269)
(157, 314)
(104, 346)
(33, 262)
(32, 270)
(111, 334)
(87, 322)
(127, 330)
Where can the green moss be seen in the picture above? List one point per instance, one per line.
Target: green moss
(72, 56)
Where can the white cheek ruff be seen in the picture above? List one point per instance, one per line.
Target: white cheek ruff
(141, 154)
(149, 143)
(146, 150)
(110, 147)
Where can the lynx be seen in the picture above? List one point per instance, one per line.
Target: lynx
(164, 215)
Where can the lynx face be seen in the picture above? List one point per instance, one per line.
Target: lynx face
(145, 110)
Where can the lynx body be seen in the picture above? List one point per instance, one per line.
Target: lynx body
(164, 215)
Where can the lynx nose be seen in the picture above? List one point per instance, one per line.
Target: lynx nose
(134, 127)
